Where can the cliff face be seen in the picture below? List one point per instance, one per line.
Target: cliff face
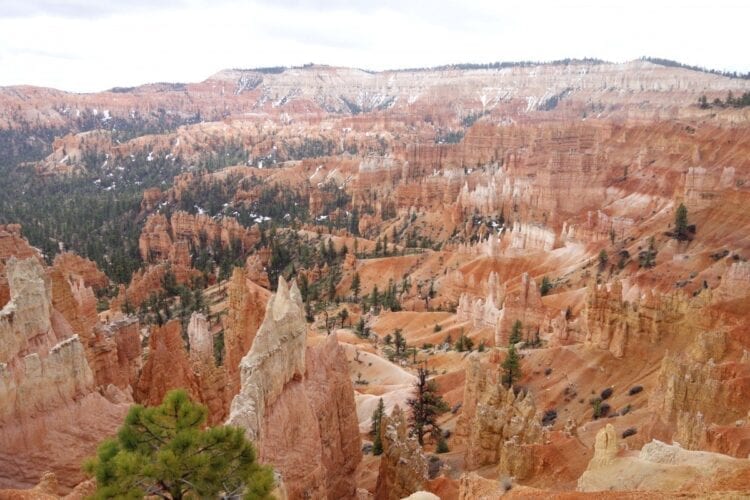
(51, 416)
(297, 403)
(403, 464)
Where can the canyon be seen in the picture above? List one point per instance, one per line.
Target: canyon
(304, 241)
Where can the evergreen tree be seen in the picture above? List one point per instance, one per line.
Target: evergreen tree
(647, 258)
(165, 451)
(603, 259)
(515, 333)
(374, 297)
(681, 222)
(377, 418)
(356, 285)
(426, 406)
(343, 316)
(545, 287)
(399, 342)
(442, 445)
(511, 367)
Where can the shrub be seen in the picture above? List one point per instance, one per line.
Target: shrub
(442, 446)
(606, 393)
(604, 409)
(635, 390)
(630, 431)
(549, 417)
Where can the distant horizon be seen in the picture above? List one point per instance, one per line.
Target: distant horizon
(94, 45)
(454, 65)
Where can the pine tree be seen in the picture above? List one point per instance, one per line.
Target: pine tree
(399, 342)
(515, 333)
(545, 287)
(343, 316)
(681, 222)
(603, 259)
(165, 451)
(374, 297)
(511, 367)
(356, 285)
(426, 406)
(377, 418)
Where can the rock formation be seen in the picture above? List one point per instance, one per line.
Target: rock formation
(247, 302)
(51, 417)
(403, 464)
(704, 398)
(497, 425)
(73, 265)
(297, 403)
(159, 234)
(167, 366)
(657, 467)
(12, 244)
(612, 322)
(525, 305)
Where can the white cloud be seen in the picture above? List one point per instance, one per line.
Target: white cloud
(87, 45)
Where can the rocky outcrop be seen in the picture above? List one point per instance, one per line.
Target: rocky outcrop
(497, 425)
(167, 366)
(472, 486)
(51, 417)
(49, 489)
(703, 399)
(245, 313)
(296, 402)
(115, 353)
(657, 467)
(155, 242)
(12, 244)
(74, 266)
(276, 357)
(142, 284)
(159, 234)
(611, 322)
(403, 464)
(214, 390)
(113, 350)
(256, 271)
(522, 304)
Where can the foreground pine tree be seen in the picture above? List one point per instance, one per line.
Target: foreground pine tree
(166, 451)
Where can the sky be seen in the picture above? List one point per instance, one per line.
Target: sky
(93, 45)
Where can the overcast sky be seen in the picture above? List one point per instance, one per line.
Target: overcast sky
(91, 45)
